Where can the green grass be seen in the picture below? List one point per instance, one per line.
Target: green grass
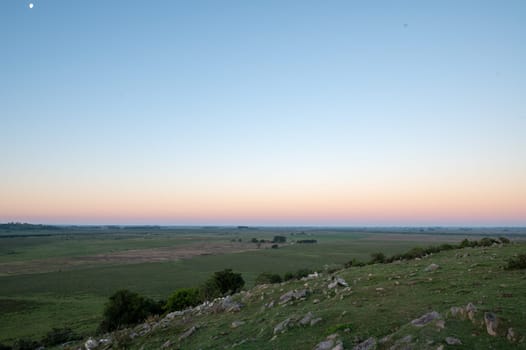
(75, 297)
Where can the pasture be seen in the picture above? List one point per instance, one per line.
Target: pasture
(63, 278)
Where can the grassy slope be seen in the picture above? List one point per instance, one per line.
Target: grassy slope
(478, 278)
(76, 297)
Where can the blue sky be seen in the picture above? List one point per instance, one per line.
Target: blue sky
(163, 111)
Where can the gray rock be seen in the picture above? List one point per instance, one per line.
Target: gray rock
(167, 344)
(307, 319)
(293, 295)
(510, 335)
(337, 281)
(230, 305)
(325, 345)
(425, 319)
(453, 341)
(432, 267)
(492, 323)
(282, 326)
(338, 346)
(315, 320)
(369, 344)
(471, 310)
(91, 344)
(188, 333)
(236, 324)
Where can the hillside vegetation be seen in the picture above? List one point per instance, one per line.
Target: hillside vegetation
(469, 298)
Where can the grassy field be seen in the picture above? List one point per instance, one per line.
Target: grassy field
(63, 278)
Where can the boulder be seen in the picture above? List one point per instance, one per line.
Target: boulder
(282, 326)
(293, 295)
(368, 344)
(236, 324)
(324, 345)
(315, 320)
(188, 333)
(425, 319)
(492, 323)
(432, 267)
(453, 341)
(510, 335)
(307, 319)
(91, 344)
(471, 310)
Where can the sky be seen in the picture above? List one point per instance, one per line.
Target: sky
(263, 112)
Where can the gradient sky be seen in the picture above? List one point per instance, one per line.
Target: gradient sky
(263, 112)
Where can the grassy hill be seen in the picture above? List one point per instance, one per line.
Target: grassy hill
(380, 307)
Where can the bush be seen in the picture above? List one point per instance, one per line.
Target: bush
(5, 347)
(416, 252)
(222, 283)
(26, 344)
(288, 276)
(504, 240)
(268, 278)
(486, 242)
(303, 273)
(354, 263)
(279, 239)
(59, 336)
(377, 258)
(126, 308)
(184, 298)
(517, 263)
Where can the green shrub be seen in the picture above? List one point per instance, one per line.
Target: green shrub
(303, 273)
(222, 283)
(504, 240)
(184, 298)
(5, 347)
(26, 344)
(288, 276)
(486, 242)
(268, 278)
(58, 336)
(279, 239)
(126, 308)
(377, 258)
(517, 263)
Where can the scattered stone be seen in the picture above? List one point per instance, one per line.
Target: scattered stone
(406, 339)
(167, 344)
(315, 320)
(432, 267)
(237, 324)
(307, 319)
(270, 304)
(316, 301)
(380, 289)
(440, 324)
(369, 344)
(492, 322)
(324, 345)
(282, 326)
(188, 333)
(456, 311)
(230, 305)
(425, 319)
(453, 341)
(510, 335)
(471, 310)
(338, 346)
(333, 336)
(293, 295)
(440, 347)
(91, 344)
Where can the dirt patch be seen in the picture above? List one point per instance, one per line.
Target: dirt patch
(135, 256)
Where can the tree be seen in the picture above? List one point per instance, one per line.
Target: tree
(183, 298)
(222, 283)
(279, 239)
(126, 308)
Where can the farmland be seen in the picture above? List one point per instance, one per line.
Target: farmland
(63, 277)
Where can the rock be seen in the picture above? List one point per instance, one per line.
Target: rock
(471, 310)
(456, 311)
(306, 319)
(315, 320)
(341, 282)
(492, 323)
(510, 335)
(425, 319)
(453, 341)
(167, 344)
(236, 324)
(270, 304)
(91, 344)
(324, 345)
(293, 295)
(188, 333)
(338, 346)
(333, 336)
(229, 305)
(332, 285)
(316, 301)
(369, 344)
(440, 324)
(406, 339)
(282, 326)
(432, 267)
(440, 347)
(380, 289)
